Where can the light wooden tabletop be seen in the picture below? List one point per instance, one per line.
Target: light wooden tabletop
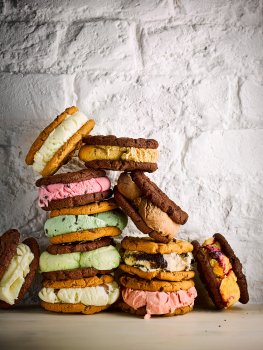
(34, 328)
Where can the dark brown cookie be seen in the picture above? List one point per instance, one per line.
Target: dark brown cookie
(111, 140)
(76, 201)
(8, 244)
(206, 274)
(70, 177)
(152, 192)
(136, 218)
(33, 245)
(79, 247)
(73, 274)
(122, 165)
(236, 265)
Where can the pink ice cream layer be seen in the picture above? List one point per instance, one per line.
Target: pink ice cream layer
(158, 303)
(60, 191)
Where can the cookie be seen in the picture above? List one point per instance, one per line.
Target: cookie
(111, 140)
(136, 218)
(119, 154)
(87, 235)
(122, 165)
(236, 265)
(149, 246)
(159, 275)
(142, 310)
(154, 285)
(49, 162)
(79, 283)
(8, 244)
(73, 308)
(206, 274)
(79, 247)
(73, 274)
(89, 209)
(77, 200)
(69, 177)
(152, 192)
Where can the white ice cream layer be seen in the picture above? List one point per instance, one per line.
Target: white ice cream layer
(61, 134)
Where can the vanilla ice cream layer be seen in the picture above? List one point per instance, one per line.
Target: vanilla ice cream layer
(100, 295)
(89, 152)
(61, 134)
(14, 277)
(162, 262)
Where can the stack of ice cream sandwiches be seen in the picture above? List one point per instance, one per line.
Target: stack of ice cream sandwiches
(77, 266)
(157, 271)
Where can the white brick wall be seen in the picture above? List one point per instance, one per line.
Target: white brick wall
(186, 72)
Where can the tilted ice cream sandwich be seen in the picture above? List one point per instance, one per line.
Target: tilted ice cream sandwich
(18, 266)
(150, 209)
(158, 277)
(221, 271)
(58, 141)
(121, 154)
(73, 189)
(86, 295)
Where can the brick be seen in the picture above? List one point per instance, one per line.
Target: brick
(26, 47)
(103, 44)
(226, 152)
(251, 96)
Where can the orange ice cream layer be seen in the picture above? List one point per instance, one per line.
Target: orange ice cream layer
(222, 269)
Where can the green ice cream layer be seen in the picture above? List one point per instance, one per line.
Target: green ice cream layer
(73, 223)
(104, 258)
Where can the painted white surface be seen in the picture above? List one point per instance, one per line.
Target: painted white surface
(187, 73)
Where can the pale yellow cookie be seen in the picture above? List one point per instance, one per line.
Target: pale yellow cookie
(73, 308)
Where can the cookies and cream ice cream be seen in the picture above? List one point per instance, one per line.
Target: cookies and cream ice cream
(151, 262)
(90, 152)
(57, 138)
(60, 190)
(105, 294)
(14, 277)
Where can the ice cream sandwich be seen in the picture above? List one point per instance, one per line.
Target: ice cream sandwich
(86, 295)
(58, 141)
(158, 277)
(85, 223)
(120, 154)
(73, 189)
(18, 266)
(149, 208)
(221, 271)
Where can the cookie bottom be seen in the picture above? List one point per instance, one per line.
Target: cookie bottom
(73, 308)
(142, 310)
(122, 165)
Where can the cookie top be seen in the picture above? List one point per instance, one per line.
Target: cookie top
(79, 247)
(74, 274)
(122, 165)
(152, 192)
(111, 140)
(236, 265)
(154, 285)
(70, 177)
(79, 283)
(45, 133)
(149, 246)
(8, 244)
(136, 218)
